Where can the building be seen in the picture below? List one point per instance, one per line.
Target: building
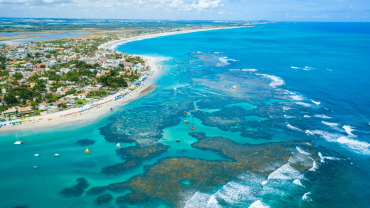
(43, 106)
(82, 96)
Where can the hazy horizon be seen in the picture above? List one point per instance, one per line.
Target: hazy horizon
(239, 10)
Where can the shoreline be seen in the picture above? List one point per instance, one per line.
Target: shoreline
(104, 106)
(91, 112)
(115, 43)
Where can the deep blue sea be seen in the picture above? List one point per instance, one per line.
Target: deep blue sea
(268, 84)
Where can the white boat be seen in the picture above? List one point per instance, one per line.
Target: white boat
(35, 166)
(175, 88)
(18, 142)
(235, 86)
(36, 155)
(56, 155)
(118, 145)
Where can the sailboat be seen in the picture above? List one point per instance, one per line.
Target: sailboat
(18, 142)
(118, 145)
(87, 151)
(235, 86)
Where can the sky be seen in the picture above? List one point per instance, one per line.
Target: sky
(271, 10)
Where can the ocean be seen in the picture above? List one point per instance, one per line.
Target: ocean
(281, 119)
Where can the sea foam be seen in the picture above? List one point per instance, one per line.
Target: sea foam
(293, 128)
(316, 102)
(285, 172)
(276, 81)
(258, 204)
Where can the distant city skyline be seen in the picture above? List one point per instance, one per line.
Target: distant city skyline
(272, 10)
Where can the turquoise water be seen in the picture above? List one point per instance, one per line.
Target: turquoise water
(304, 81)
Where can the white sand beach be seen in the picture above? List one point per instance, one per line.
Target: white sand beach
(112, 44)
(91, 111)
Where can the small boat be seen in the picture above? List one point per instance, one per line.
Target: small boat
(177, 140)
(35, 166)
(18, 142)
(185, 113)
(118, 145)
(36, 155)
(192, 127)
(235, 86)
(186, 121)
(87, 151)
(56, 155)
(175, 88)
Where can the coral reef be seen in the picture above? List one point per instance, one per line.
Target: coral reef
(77, 190)
(103, 199)
(134, 156)
(165, 180)
(85, 142)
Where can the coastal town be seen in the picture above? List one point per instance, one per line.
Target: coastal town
(43, 78)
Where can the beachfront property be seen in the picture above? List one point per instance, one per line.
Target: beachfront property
(62, 74)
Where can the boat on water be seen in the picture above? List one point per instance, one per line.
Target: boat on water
(177, 140)
(186, 121)
(87, 151)
(175, 88)
(185, 113)
(235, 86)
(18, 142)
(192, 127)
(36, 155)
(118, 145)
(56, 155)
(35, 166)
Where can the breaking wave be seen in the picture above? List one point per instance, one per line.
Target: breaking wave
(276, 81)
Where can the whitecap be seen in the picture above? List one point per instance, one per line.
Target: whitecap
(293, 128)
(297, 97)
(316, 102)
(250, 70)
(235, 192)
(293, 67)
(349, 130)
(264, 183)
(198, 200)
(258, 204)
(285, 116)
(303, 104)
(329, 124)
(302, 151)
(285, 172)
(322, 116)
(298, 182)
(306, 197)
(314, 166)
(276, 81)
(286, 108)
(357, 145)
(306, 116)
(308, 68)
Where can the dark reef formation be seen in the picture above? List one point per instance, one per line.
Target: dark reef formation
(85, 142)
(164, 180)
(134, 156)
(96, 190)
(103, 199)
(77, 190)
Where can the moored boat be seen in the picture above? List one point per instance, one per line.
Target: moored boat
(192, 127)
(186, 121)
(87, 151)
(118, 145)
(56, 155)
(18, 142)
